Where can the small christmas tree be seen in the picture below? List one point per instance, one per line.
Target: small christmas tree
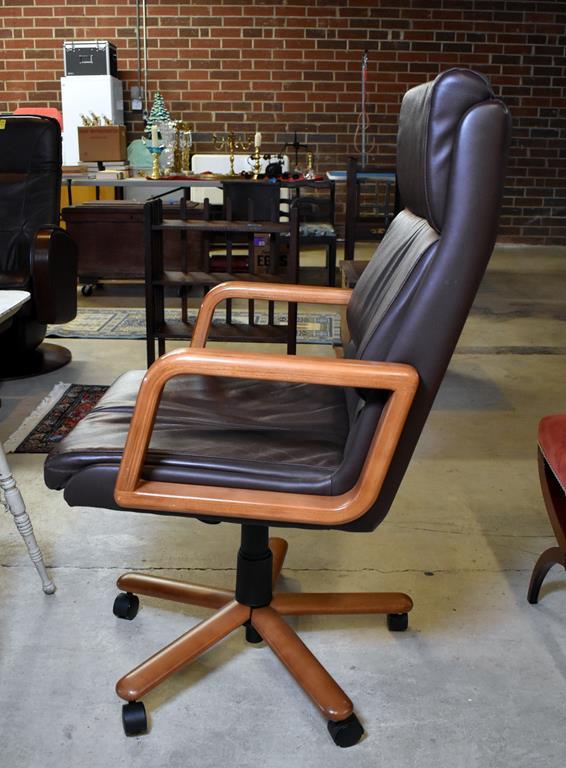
(159, 112)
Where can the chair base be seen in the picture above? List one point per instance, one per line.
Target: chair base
(45, 359)
(265, 622)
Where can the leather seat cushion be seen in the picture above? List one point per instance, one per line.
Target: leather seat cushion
(215, 431)
(552, 443)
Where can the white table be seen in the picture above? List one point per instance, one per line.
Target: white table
(10, 302)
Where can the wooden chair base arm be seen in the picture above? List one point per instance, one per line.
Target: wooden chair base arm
(181, 651)
(336, 603)
(309, 673)
(177, 591)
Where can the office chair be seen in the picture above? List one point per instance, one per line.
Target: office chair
(36, 255)
(552, 474)
(262, 440)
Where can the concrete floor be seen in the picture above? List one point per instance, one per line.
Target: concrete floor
(477, 681)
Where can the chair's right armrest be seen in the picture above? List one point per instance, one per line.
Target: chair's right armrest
(133, 492)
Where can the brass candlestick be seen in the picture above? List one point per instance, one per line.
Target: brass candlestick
(257, 162)
(231, 143)
(155, 167)
(309, 171)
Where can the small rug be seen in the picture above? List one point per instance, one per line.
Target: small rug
(129, 323)
(54, 417)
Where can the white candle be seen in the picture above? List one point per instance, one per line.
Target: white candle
(190, 138)
(257, 140)
(154, 136)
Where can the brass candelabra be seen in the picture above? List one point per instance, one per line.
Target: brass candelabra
(231, 143)
(257, 161)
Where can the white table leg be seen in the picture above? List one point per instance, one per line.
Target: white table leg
(14, 504)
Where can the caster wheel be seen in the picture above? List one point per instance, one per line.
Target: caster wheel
(134, 718)
(397, 622)
(252, 635)
(126, 606)
(346, 733)
(87, 290)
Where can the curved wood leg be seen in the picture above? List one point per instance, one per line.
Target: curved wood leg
(172, 589)
(278, 549)
(15, 505)
(302, 664)
(181, 651)
(552, 556)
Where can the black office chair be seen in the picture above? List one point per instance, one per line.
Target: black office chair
(306, 442)
(36, 255)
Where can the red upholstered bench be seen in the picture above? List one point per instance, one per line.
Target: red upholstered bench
(552, 472)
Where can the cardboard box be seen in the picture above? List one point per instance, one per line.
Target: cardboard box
(102, 142)
(262, 255)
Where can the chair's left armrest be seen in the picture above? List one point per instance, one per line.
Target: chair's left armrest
(132, 491)
(240, 289)
(53, 269)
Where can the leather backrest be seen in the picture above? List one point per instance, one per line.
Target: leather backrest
(30, 183)
(412, 301)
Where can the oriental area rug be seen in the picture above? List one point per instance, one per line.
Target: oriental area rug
(54, 417)
(129, 323)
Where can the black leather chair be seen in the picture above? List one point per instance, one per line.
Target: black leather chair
(315, 443)
(36, 255)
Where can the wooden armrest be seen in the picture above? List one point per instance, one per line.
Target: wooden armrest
(133, 492)
(240, 289)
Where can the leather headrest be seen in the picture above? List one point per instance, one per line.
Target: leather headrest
(29, 144)
(428, 126)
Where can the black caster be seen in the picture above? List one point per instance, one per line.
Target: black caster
(252, 635)
(397, 622)
(134, 718)
(126, 606)
(87, 290)
(346, 733)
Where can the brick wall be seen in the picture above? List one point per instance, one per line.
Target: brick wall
(291, 65)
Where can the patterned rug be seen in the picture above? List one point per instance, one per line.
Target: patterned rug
(54, 417)
(109, 323)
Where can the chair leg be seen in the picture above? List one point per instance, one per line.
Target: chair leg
(181, 651)
(171, 589)
(15, 505)
(327, 603)
(555, 502)
(552, 556)
(302, 664)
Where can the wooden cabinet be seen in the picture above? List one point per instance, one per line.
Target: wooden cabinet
(110, 239)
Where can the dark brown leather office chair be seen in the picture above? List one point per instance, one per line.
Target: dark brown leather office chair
(306, 442)
(36, 255)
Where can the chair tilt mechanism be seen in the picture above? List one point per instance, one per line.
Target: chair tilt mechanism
(261, 439)
(36, 255)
